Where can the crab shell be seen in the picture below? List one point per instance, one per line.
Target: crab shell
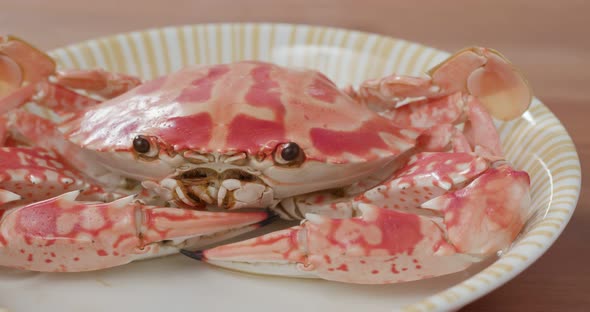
(236, 116)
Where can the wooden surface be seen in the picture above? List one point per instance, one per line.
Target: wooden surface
(548, 40)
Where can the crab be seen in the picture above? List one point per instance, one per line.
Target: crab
(402, 178)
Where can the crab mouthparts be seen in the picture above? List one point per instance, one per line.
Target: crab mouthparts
(202, 188)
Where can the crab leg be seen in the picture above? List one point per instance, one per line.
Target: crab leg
(442, 138)
(61, 234)
(426, 113)
(97, 81)
(439, 116)
(23, 64)
(426, 176)
(28, 74)
(479, 72)
(60, 99)
(479, 130)
(389, 246)
(38, 174)
(43, 133)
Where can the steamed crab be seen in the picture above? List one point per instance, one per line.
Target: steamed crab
(400, 179)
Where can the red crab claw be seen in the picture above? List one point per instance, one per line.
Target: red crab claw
(61, 234)
(426, 176)
(383, 246)
(486, 215)
(388, 246)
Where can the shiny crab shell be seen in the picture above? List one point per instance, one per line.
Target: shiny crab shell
(237, 116)
(241, 107)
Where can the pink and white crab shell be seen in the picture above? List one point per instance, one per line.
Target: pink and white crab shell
(216, 135)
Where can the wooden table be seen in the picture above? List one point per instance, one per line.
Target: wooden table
(547, 39)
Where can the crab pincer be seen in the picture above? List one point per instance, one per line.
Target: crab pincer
(8, 196)
(390, 246)
(384, 246)
(61, 234)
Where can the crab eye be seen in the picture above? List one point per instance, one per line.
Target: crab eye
(290, 151)
(289, 154)
(141, 145)
(145, 147)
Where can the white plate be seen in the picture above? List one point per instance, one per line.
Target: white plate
(537, 142)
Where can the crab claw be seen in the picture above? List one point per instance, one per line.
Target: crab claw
(236, 194)
(487, 215)
(383, 246)
(426, 176)
(278, 253)
(61, 234)
(390, 246)
(487, 75)
(8, 196)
